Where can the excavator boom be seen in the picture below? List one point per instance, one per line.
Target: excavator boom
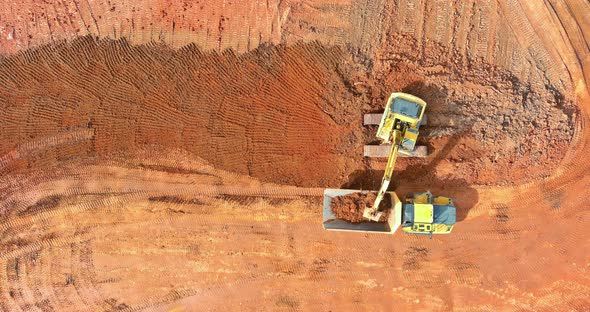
(373, 212)
(399, 125)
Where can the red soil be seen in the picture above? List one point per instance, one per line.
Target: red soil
(139, 177)
(350, 207)
(275, 125)
(287, 123)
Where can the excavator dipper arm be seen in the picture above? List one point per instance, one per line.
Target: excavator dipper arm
(397, 134)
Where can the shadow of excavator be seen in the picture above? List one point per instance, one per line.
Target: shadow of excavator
(421, 177)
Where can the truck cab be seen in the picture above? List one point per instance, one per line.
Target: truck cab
(424, 213)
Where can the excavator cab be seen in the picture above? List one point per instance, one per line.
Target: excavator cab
(402, 112)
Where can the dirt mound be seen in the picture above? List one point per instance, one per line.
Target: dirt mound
(350, 207)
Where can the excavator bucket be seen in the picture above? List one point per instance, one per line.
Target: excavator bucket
(332, 223)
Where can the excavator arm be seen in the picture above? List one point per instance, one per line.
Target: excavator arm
(399, 125)
(397, 135)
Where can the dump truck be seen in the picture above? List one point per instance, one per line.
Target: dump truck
(420, 213)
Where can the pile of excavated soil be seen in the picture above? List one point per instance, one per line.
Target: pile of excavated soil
(350, 207)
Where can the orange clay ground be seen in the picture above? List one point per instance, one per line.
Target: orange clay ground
(172, 156)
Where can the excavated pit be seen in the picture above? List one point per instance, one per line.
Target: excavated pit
(261, 114)
(113, 193)
(283, 114)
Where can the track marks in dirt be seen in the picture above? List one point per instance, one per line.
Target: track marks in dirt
(44, 203)
(32, 147)
(492, 126)
(82, 273)
(241, 26)
(253, 240)
(413, 256)
(531, 241)
(287, 113)
(72, 266)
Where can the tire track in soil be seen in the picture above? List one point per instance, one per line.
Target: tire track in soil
(45, 298)
(75, 276)
(60, 276)
(79, 186)
(30, 303)
(45, 277)
(81, 271)
(16, 290)
(8, 303)
(319, 274)
(274, 118)
(188, 224)
(186, 221)
(473, 236)
(30, 148)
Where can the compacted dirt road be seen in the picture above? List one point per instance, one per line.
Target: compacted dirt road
(158, 156)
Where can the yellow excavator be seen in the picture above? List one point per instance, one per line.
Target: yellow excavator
(399, 126)
(421, 213)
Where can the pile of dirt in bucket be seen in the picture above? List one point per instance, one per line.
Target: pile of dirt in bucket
(350, 207)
